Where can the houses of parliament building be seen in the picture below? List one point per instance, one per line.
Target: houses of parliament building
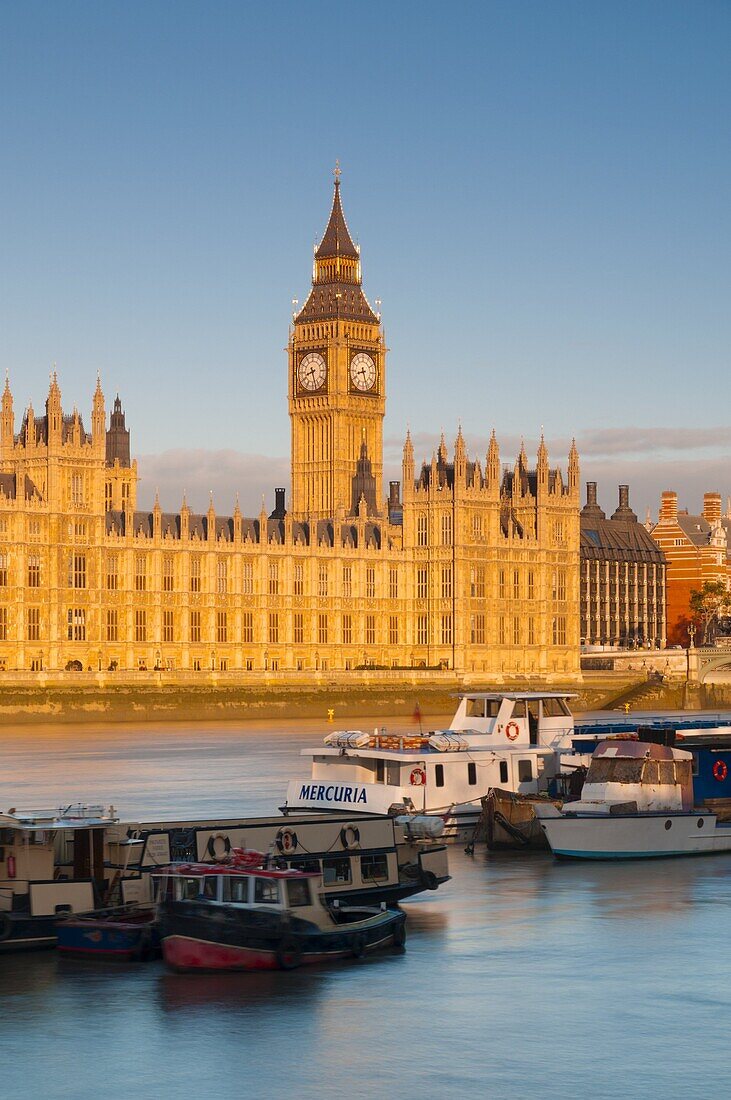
(462, 565)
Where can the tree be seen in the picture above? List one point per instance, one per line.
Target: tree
(708, 602)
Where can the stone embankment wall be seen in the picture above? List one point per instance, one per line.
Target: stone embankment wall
(148, 697)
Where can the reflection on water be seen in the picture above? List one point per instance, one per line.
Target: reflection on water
(521, 978)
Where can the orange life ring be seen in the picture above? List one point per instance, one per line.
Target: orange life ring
(512, 731)
(417, 777)
(720, 770)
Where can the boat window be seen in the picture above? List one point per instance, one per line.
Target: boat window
(475, 708)
(472, 773)
(503, 771)
(393, 774)
(374, 868)
(439, 775)
(525, 771)
(298, 892)
(492, 706)
(210, 887)
(555, 708)
(187, 889)
(6, 836)
(519, 708)
(236, 888)
(605, 770)
(266, 891)
(305, 864)
(336, 870)
(650, 772)
(667, 771)
(380, 770)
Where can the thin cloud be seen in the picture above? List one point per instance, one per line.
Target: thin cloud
(198, 473)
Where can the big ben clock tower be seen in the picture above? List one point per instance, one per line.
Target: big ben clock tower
(337, 375)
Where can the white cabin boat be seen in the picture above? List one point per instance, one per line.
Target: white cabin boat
(636, 803)
(510, 740)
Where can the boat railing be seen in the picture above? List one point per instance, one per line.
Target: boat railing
(76, 812)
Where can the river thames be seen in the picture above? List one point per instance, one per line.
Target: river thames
(521, 977)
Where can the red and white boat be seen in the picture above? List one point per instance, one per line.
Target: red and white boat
(242, 914)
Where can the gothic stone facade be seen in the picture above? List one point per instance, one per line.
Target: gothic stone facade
(465, 567)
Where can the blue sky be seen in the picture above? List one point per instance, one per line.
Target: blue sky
(541, 193)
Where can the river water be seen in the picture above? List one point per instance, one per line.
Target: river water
(521, 977)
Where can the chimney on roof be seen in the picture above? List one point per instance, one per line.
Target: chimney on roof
(394, 494)
(623, 510)
(712, 508)
(279, 505)
(591, 509)
(668, 506)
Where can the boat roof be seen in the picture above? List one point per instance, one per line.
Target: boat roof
(227, 869)
(494, 695)
(638, 750)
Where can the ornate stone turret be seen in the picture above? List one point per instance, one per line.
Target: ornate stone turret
(98, 418)
(364, 483)
(542, 465)
(574, 469)
(117, 437)
(54, 412)
(460, 459)
(7, 433)
(492, 463)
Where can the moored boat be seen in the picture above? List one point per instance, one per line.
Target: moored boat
(636, 803)
(244, 915)
(121, 933)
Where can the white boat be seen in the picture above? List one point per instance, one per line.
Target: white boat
(510, 740)
(637, 803)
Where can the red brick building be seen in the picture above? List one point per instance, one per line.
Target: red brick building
(696, 549)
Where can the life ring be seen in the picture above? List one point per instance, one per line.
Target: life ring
(512, 731)
(6, 926)
(289, 954)
(350, 836)
(720, 770)
(417, 777)
(286, 840)
(11, 866)
(358, 945)
(211, 846)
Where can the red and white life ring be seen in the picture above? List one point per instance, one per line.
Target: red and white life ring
(286, 840)
(417, 777)
(512, 731)
(11, 866)
(720, 770)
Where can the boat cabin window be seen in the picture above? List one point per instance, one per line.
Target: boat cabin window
(305, 864)
(236, 888)
(439, 775)
(482, 708)
(606, 770)
(298, 892)
(336, 870)
(187, 889)
(380, 770)
(555, 708)
(503, 771)
(533, 720)
(266, 891)
(210, 887)
(472, 773)
(519, 708)
(525, 771)
(374, 868)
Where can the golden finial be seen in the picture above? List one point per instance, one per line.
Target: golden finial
(336, 172)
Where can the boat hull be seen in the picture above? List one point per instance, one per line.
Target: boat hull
(22, 932)
(636, 836)
(195, 938)
(107, 939)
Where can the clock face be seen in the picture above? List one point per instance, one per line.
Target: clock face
(311, 371)
(362, 372)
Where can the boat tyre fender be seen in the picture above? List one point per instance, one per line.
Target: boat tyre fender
(211, 846)
(350, 836)
(289, 954)
(6, 926)
(358, 945)
(399, 934)
(430, 880)
(720, 770)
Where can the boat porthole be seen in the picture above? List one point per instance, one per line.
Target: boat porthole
(700, 822)
(668, 824)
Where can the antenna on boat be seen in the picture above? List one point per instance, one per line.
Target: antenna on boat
(417, 717)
